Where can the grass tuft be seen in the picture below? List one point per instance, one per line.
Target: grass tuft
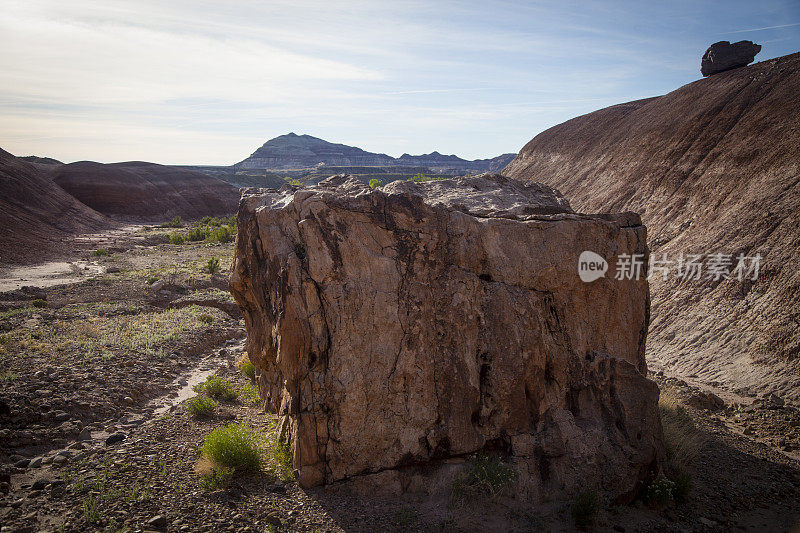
(101, 252)
(201, 406)
(218, 388)
(486, 476)
(233, 446)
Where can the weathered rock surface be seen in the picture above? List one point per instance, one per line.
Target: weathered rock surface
(724, 56)
(397, 327)
(713, 167)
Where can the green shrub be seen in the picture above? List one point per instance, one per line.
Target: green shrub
(585, 508)
(197, 234)
(249, 370)
(101, 252)
(152, 279)
(206, 318)
(176, 222)
(375, 183)
(659, 492)
(201, 406)
(91, 509)
(233, 446)
(213, 266)
(221, 234)
(232, 222)
(176, 238)
(218, 388)
(219, 478)
(486, 475)
(39, 303)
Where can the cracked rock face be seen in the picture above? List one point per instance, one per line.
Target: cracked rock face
(399, 329)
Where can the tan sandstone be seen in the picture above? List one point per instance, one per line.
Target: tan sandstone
(398, 330)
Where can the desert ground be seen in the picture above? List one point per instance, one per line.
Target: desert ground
(99, 360)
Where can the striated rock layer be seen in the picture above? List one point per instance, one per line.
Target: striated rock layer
(713, 167)
(395, 328)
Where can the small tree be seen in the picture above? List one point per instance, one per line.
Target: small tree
(375, 183)
(212, 266)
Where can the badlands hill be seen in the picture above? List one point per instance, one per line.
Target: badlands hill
(712, 167)
(292, 151)
(35, 214)
(146, 192)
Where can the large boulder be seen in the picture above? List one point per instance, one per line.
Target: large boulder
(724, 56)
(397, 329)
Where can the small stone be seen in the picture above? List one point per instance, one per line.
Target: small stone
(59, 460)
(36, 462)
(115, 438)
(22, 463)
(39, 484)
(85, 434)
(158, 522)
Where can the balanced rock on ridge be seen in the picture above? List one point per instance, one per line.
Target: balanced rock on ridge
(399, 327)
(724, 56)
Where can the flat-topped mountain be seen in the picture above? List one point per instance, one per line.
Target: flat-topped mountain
(713, 168)
(292, 151)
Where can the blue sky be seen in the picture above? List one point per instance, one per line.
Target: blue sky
(208, 82)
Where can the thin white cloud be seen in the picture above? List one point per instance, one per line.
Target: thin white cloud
(433, 91)
(764, 28)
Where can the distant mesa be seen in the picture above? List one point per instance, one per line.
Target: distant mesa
(724, 56)
(292, 151)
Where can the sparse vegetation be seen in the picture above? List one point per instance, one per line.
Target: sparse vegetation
(233, 446)
(281, 459)
(683, 441)
(212, 266)
(217, 477)
(8, 375)
(585, 508)
(201, 406)
(91, 509)
(176, 238)
(486, 475)
(206, 318)
(197, 234)
(222, 234)
(249, 370)
(176, 222)
(39, 303)
(659, 492)
(375, 183)
(217, 388)
(152, 279)
(101, 252)
(250, 394)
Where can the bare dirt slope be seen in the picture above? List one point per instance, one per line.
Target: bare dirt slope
(712, 167)
(146, 192)
(35, 214)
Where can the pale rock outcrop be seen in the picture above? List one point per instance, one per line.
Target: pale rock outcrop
(398, 330)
